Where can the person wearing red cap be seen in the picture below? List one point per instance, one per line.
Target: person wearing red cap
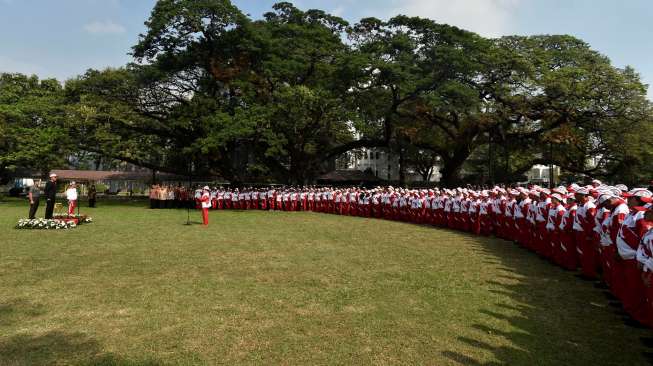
(541, 218)
(568, 257)
(500, 207)
(508, 219)
(474, 216)
(531, 238)
(205, 201)
(645, 260)
(485, 207)
(463, 215)
(607, 204)
(583, 233)
(423, 212)
(521, 222)
(440, 216)
(554, 218)
(618, 212)
(448, 212)
(272, 199)
(628, 278)
(428, 208)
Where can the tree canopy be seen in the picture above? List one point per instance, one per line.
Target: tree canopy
(279, 98)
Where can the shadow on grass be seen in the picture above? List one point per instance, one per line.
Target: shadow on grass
(12, 311)
(53, 347)
(60, 348)
(548, 316)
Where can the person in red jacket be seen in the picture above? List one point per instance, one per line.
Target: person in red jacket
(633, 228)
(583, 231)
(541, 218)
(554, 218)
(205, 201)
(645, 259)
(568, 255)
(618, 212)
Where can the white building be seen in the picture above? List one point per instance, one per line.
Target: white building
(540, 174)
(382, 164)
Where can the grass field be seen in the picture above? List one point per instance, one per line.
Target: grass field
(137, 287)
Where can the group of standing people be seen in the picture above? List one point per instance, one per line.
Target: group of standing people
(50, 193)
(604, 231)
(169, 196)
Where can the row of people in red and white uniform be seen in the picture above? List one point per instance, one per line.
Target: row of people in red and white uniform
(605, 231)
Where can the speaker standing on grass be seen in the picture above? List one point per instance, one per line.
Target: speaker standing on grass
(206, 204)
(50, 195)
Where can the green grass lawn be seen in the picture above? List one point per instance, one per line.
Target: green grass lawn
(138, 287)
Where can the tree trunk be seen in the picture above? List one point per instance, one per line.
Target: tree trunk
(451, 166)
(426, 174)
(402, 168)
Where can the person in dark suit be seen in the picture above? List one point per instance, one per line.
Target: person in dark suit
(92, 194)
(50, 195)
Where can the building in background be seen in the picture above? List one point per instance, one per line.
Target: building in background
(383, 165)
(540, 174)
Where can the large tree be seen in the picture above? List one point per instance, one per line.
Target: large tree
(279, 98)
(452, 92)
(237, 97)
(33, 116)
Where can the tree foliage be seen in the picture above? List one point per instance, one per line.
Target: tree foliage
(280, 97)
(32, 124)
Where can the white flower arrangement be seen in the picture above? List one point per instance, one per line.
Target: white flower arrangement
(43, 224)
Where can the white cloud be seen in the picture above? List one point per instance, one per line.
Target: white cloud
(490, 18)
(105, 27)
(338, 11)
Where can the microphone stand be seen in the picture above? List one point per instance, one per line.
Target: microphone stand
(190, 185)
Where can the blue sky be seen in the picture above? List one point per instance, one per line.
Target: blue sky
(63, 38)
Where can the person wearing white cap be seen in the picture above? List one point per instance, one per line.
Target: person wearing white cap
(205, 200)
(50, 195)
(71, 196)
(628, 277)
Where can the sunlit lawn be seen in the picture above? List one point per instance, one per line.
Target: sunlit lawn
(138, 287)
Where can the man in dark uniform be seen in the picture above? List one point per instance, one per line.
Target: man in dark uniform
(92, 194)
(50, 195)
(33, 195)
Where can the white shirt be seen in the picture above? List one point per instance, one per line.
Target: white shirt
(541, 207)
(646, 245)
(553, 214)
(630, 223)
(206, 204)
(581, 214)
(71, 194)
